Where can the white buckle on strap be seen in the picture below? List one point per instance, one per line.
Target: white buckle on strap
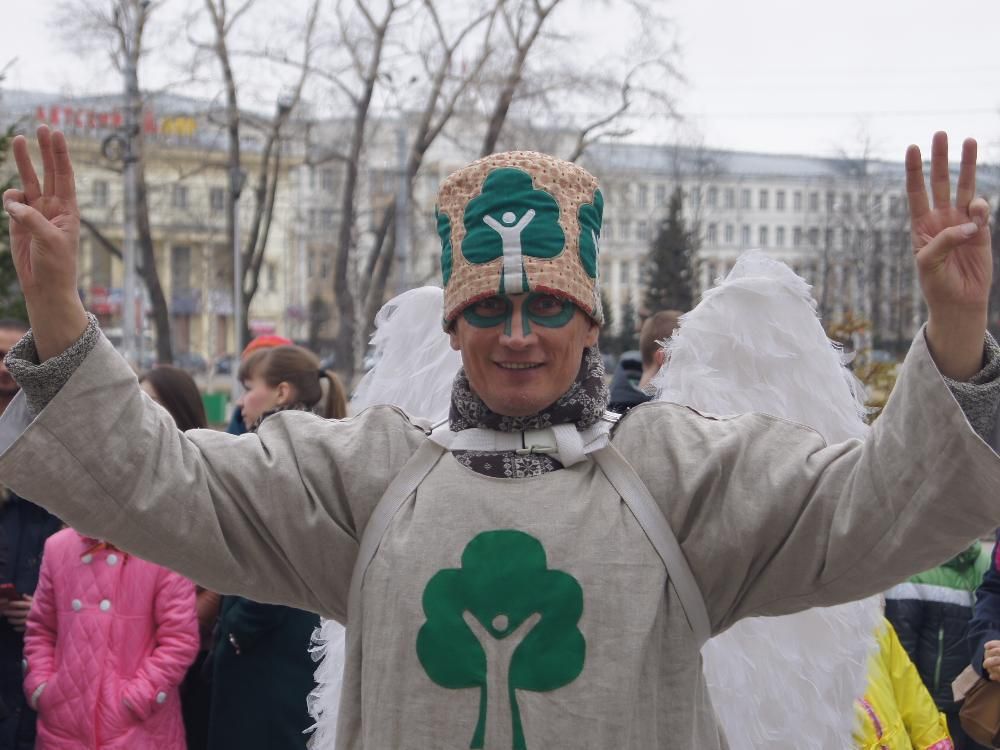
(562, 441)
(538, 441)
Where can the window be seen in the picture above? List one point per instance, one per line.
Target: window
(814, 237)
(762, 236)
(217, 200)
(326, 180)
(661, 195)
(642, 230)
(814, 202)
(730, 198)
(745, 235)
(626, 233)
(180, 268)
(712, 197)
(745, 198)
(862, 203)
(877, 204)
(848, 239)
(797, 237)
(100, 192)
(779, 237)
(845, 202)
(179, 196)
(797, 200)
(712, 234)
(828, 238)
(326, 217)
(763, 200)
(272, 277)
(696, 198)
(730, 234)
(830, 200)
(643, 197)
(623, 272)
(893, 205)
(606, 230)
(779, 200)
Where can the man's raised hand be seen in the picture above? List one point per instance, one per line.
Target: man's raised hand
(951, 243)
(45, 235)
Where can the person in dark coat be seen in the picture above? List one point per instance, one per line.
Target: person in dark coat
(24, 527)
(931, 614)
(629, 384)
(984, 628)
(261, 676)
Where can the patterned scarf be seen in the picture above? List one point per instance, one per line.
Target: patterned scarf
(582, 405)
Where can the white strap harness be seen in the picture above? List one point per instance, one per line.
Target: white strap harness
(570, 446)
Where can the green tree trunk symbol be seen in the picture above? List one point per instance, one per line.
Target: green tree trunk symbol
(502, 622)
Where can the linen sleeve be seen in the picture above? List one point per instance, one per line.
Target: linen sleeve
(275, 516)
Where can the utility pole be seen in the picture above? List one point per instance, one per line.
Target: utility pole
(237, 178)
(133, 106)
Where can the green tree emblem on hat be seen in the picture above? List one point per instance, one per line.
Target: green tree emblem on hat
(510, 219)
(590, 217)
(502, 622)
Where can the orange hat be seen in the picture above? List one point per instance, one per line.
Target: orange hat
(265, 342)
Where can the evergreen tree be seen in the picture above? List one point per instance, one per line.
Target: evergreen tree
(669, 266)
(11, 299)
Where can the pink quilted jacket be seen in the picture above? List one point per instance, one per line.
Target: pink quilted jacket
(109, 637)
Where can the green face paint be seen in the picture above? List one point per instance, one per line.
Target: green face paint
(546, 310)
(490, 312)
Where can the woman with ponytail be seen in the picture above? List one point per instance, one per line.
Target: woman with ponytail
(261, 668)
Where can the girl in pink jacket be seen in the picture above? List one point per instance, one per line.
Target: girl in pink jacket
(108, 641)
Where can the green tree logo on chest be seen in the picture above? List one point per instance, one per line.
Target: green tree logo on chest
(509, 219)
(502, 622)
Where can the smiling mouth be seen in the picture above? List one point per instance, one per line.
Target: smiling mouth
(518, 365)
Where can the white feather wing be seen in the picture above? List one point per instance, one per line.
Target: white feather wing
(755, 343)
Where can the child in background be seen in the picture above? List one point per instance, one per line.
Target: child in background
(897, 712)
(262, 672)
(109, 639)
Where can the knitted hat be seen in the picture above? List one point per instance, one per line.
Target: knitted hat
(520, 222)
(268, 341)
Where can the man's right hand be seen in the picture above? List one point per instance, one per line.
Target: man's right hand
(45, 236)
(991, 660)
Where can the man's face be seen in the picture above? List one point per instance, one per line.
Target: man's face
(522, 352)
(7, 340)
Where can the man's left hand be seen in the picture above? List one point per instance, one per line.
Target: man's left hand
(953, 255)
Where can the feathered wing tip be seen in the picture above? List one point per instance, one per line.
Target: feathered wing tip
(791, 682)
(755, 343)
(323, 703)
(414, 362)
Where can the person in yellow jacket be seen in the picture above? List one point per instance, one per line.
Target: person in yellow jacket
(897, 712)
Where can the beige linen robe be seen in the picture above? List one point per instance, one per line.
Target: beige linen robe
(771, 519)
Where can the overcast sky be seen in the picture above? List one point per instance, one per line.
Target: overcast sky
(782, 76)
